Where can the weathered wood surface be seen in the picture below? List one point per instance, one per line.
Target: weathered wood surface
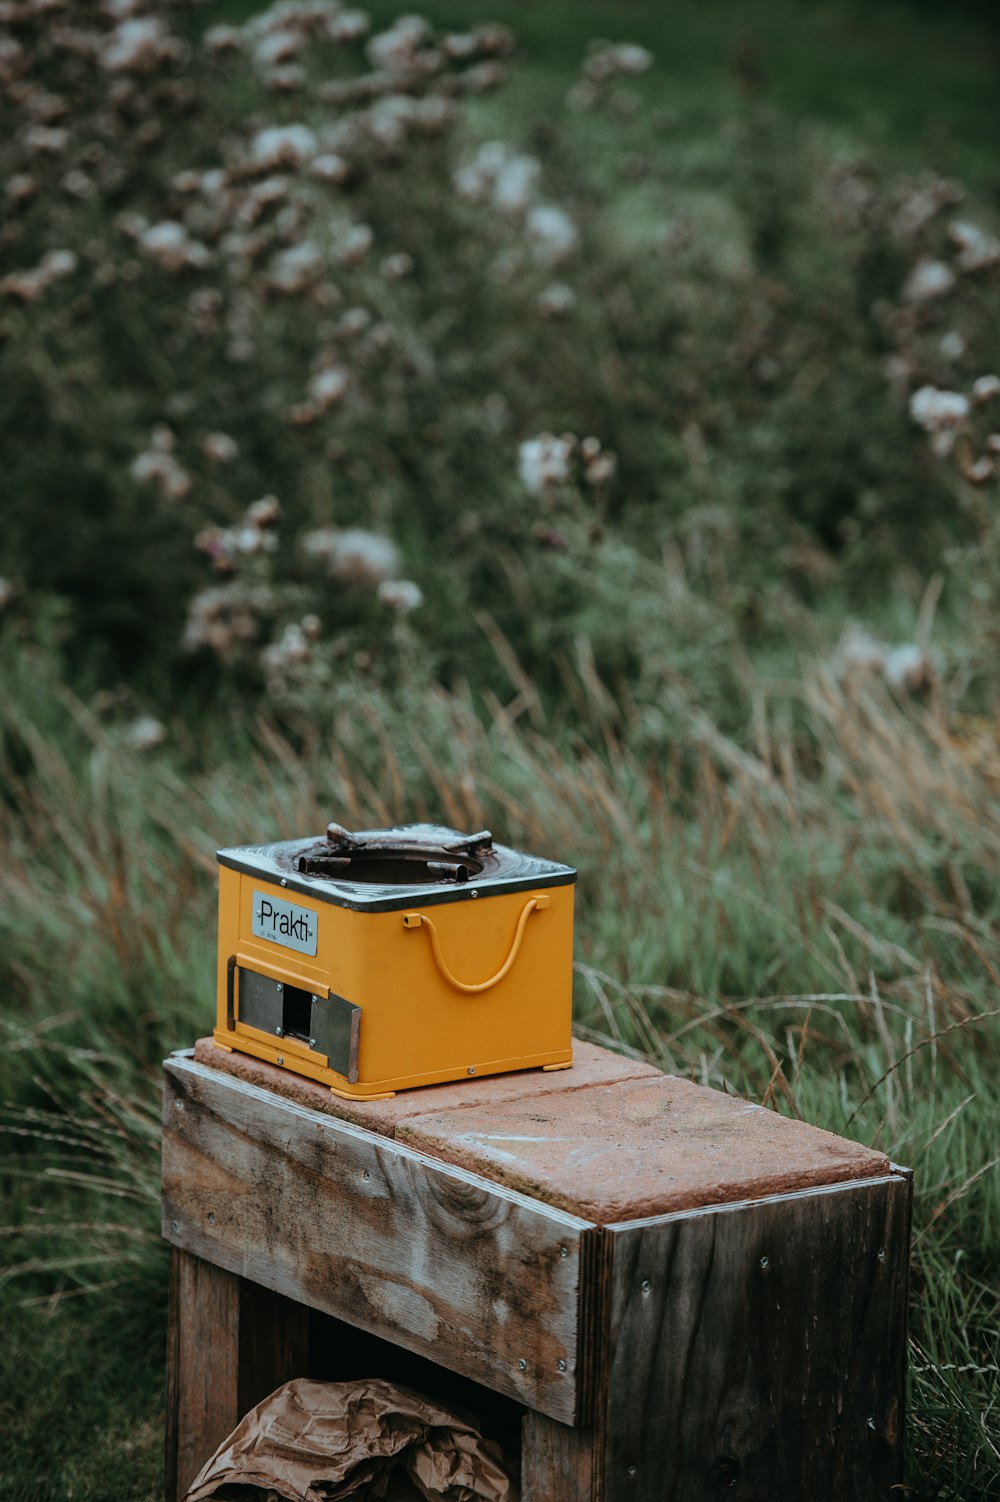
(608, 1140)
(557, 1462)
(229, 1344)
(202, 1367)
(475, 1276)
(757, 1350)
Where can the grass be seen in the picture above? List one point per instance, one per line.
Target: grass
(789, 862)
(825, 944)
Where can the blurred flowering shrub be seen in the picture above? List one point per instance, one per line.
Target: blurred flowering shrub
(304, 372)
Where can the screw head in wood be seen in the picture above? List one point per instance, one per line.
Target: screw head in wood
(560, 1366)
(522, 1365)
(564, 1251)
(178, 1105)
(765, 1263)
(211, 1217)
(471, 1069)
(881, 1254)
(280, 1059)
(647, 1286)
(631, 1470)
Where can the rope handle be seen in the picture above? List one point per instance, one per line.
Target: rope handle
(418, 920)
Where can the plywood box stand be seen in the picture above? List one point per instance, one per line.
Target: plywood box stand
(675, 1295)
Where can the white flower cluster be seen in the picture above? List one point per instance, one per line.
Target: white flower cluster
(400, 595)
(219, 448)
(353, 555)
(547, 461)
(922, 201)
(942, 414)
(139, 45)
(509, 181)
(144, 734)
(283, 146)
(169, 245)
(908, 667)
(286, 657)
(946, 415)
(366, 560)
(544, 462)
(227, 617)
(251, 536)
(296, 269)
(977, 250)
(606, 62)
(158, 465)
(29, 285)
(927, 280)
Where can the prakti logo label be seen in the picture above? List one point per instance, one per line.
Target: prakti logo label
(284, 923)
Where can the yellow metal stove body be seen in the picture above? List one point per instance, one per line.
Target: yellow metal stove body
(386, 959)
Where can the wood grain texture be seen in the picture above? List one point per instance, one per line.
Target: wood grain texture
(608, 1140)
(273, 1342)
(202, 1367)
(557, 1462)
(757, 1350)
(476, 1277)
(229, 1344)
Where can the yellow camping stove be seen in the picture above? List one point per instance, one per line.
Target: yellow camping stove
(391, 958)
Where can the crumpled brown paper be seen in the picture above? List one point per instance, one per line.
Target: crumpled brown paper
(320, 1441)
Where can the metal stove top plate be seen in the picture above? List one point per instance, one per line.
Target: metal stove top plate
(505, 870)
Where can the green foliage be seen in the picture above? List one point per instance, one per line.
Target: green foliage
(370, 317)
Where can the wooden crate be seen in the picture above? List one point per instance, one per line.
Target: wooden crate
(674, 1295)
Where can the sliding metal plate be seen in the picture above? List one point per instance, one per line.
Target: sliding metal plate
(335, 1031)
(261, 1001)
